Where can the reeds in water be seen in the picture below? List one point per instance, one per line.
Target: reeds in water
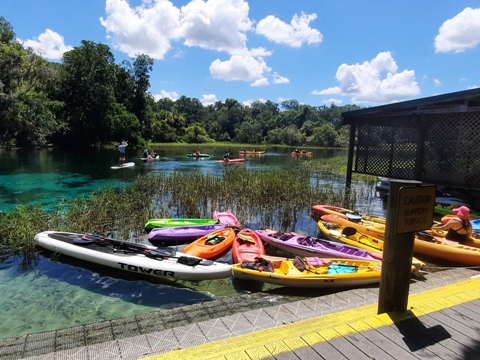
(265, 198)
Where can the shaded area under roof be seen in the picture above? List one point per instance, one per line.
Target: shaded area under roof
(434, 140)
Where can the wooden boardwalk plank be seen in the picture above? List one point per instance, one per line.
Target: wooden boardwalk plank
(279, 350)
(322, 347)
(301, 349)
(342, 345)
(432, 331)
(388, 346)
(391, 332)
(363, 343)
(417, 336)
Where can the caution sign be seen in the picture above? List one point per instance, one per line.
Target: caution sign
(415, 208)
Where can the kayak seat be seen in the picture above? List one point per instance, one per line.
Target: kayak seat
(258, 264)
(215, 240)
(306, 241)
(285, 237)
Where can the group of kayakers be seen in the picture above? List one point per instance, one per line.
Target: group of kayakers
(149, 156)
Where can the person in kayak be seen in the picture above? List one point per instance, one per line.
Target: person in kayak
(459, 228)
(226, 156)
(121, 151)
(145, 154)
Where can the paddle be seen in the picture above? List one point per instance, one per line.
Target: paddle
(422, 235)
(157, 253)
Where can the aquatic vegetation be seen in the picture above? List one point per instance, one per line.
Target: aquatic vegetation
(268, 198)
(18, 227)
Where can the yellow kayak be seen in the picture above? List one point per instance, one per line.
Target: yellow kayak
(371, 228)
(426, 243)
(352, 236)
(311, 272)
(323, 209)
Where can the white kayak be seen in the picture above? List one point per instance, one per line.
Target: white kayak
(124, 165)
(132, 257)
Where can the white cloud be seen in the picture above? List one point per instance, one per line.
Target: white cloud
(215, 24)
(146, 29)
(208, 99)
(460, 32)
(277, 79)
(332, 101)
(260, 82)
(49, 45)
(165, 94)
(151, 27)
(218, 25)
(437, 82)
(239, 67)
(250, 101)
(376, 81)
(294, 34)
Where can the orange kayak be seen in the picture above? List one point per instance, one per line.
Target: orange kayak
(300, 153)
(371, 228)
(323, 209)
(438, 247)
(247, 246)
(213, 245)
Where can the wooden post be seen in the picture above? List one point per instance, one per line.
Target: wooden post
(397, 256)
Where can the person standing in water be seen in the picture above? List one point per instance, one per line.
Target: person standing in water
(121, 151)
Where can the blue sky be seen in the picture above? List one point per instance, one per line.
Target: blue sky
(317, 52)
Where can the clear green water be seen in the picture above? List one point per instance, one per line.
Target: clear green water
(54, 295)
(59, 293)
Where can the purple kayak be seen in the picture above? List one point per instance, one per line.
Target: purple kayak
(180, 234)
(307, 246)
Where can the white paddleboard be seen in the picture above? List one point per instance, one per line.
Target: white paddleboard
(125, 165)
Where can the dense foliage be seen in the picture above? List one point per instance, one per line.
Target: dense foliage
(87, 99)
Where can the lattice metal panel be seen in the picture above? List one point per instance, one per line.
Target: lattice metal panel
(452, 150)
(387, 147)
(440, 148)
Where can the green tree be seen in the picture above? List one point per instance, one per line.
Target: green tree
(195, 133)
(142, 66)
(27, 112)
(324, 135)
(289, 135)
(88, 90)
(6, 31)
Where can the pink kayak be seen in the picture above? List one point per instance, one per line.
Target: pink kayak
(226, 218)
(306, 246)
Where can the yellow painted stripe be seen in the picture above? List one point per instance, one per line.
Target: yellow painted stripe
(274, 341)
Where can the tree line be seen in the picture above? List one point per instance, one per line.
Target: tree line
(87, 99)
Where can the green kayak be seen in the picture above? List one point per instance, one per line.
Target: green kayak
(197, 155)
(162, 223)
(447, 210)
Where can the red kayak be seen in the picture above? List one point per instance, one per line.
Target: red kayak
(231, 161)
(247, 246)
